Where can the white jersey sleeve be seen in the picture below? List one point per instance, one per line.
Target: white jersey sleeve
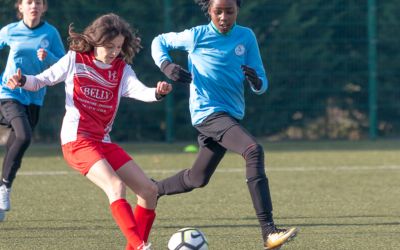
(132, 87)
(57, 73)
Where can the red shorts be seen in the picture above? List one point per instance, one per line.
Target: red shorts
(83, 153)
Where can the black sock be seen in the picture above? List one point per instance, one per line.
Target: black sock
(5, 183)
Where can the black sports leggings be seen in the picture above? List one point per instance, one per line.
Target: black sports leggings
(238, 140)
(17, 143)
(22, 119)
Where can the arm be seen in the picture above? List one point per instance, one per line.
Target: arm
(132, 87)
(162, 44)
(3, 37)
(53, 75)
(254, 69)
(52, 54)
(160, 47)
(57, 49)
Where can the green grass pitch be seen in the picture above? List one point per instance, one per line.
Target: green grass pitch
(341, 195)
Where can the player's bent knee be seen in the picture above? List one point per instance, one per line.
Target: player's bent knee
(254, 152)
(153, 189)
(255, 149)
(148, 192)
(199, 183)
(23, 140)
(192, 181)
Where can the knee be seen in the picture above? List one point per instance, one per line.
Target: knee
(23, 139)
(254, 151)
(149, 191)
(197, 181)
(254, 156)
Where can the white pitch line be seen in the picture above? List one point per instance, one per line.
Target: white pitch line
(239, 170)
(45, 173)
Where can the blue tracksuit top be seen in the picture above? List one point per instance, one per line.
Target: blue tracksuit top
(24, 43)
(214, 60)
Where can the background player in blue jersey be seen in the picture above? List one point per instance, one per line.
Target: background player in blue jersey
(222, 57)
(34, 46)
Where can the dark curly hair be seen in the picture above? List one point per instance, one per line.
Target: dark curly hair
(102, 31)
(204, 4)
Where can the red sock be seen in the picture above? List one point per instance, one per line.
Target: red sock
(123, 216)
(144, 219)
(128, 247)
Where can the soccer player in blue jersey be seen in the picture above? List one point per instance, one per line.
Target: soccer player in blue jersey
(34, 46)
(222, 56)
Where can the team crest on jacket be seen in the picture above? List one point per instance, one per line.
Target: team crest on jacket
(44, 44)
(97, 93)
(240, 50)
(112, 76)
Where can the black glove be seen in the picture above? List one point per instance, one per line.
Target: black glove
(175, 72)
(252, 77)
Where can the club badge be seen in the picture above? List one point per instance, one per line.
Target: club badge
(44, 43)
(240, 50)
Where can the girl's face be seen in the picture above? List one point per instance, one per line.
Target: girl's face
(223, 14)
(110, 51)
(32, 11)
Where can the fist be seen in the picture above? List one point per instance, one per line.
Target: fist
(41, 54)
(163, 88)
(14, 81)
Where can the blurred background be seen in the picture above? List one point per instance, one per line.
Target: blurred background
(333, 68)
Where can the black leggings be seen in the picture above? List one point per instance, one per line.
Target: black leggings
(17, 143)
(22, 120)
(238, 140)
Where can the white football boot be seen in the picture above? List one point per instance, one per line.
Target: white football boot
(277, 237)
(144, 246)
(5, 198)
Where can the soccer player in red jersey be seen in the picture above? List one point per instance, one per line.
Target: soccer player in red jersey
(96, 75)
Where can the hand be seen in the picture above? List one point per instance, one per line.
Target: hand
(163, 88)
(252, 77)
(175, 72)
(41, 54)
(15, 80)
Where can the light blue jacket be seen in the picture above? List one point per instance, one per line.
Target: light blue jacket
(215, 61)
(23, 43)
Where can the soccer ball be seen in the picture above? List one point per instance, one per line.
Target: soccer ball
(188, 239)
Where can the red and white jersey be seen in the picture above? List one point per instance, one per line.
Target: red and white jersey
(93, 92)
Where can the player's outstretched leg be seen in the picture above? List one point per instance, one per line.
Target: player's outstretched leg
(275, 237)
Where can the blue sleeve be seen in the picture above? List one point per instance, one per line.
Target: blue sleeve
(3, 37)
(163, 43)
(56, 50)
(253, 60)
